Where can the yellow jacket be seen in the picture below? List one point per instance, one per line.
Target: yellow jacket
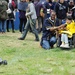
(70, 29)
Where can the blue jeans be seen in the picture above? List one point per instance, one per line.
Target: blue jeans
(46, 44)
(64, 38)
(2, 26)
(33, 29)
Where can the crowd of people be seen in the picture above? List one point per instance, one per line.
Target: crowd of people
(58, 25)
(55, 20)
(7, 15)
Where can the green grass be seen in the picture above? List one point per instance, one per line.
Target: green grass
(28, 58)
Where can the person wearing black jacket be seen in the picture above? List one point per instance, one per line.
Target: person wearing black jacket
(61, 9)
(10, 18)
(49, 32)
(7, 1)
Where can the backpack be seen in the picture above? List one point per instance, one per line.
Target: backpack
(42, 10)
(3, 8)
(42, 14)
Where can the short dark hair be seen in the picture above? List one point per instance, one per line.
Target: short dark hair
(30, 0)
(69, 17)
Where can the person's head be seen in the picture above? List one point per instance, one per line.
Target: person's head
(71, 2)
(56, 0)
(53, 15)
(22, 0)
(49, 0)
(68, 19)
(61, 1)
(29, 0)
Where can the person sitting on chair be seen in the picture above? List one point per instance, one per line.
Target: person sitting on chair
(68, 32)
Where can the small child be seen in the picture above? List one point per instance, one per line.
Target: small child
(68, 32)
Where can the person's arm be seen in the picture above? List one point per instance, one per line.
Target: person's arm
(53, 28)
(49, 26)
(62, 26)
(31, 7)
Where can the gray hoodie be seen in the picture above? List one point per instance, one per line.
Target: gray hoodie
(32, 11)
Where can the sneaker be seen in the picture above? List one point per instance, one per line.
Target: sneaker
(36, 39)
(1, 61)
(62, 45)
(66, 46)
(5, 62)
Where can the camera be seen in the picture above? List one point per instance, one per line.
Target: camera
(4, 62)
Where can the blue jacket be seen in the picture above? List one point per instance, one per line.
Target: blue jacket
(22, 6)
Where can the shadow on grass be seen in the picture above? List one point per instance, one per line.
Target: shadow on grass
(67, 49)
(2, 72)
(58, 49)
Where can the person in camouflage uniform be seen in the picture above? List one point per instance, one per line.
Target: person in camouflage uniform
(3, 14)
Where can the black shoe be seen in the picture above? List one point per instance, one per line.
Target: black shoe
(13, 31)
(20, 38)
(5, 62)
(8, 31)
(1, 61)
(36, 39)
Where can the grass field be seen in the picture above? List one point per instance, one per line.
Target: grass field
(28, 58)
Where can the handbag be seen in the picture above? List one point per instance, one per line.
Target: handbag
(9, 11)
(42, 13)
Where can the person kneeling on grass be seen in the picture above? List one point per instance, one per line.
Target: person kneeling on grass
(68, 32)
(49, 32)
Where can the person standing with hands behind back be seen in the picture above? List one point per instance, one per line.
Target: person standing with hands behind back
(31, 21)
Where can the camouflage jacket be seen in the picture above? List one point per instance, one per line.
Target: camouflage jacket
(3, 8)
